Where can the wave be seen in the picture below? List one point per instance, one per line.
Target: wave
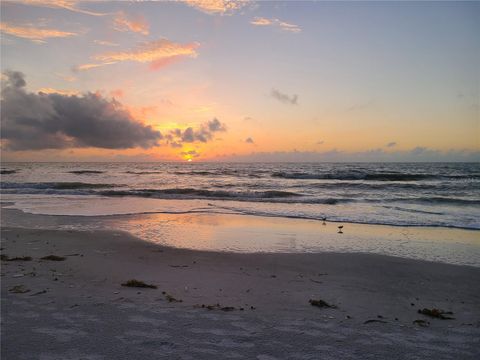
(55, 185)
(201, 194)
(222, 172)
(353, 176)
(143, 172)
(80, 172)
(7, 171)
(445, 201)
(375, 186)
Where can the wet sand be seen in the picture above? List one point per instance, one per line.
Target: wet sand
(77, 308)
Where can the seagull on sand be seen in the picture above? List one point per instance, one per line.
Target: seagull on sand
(324, 219)
(340, 229)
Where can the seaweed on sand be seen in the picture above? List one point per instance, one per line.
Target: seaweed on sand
(170, 298)
(138, 284)
(321, 304)
(20, 258)
(53, 258)
(436, 313)
(19, 289)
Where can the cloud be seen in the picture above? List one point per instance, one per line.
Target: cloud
(284, 98)
(105, 43)
(418, 154)
(284, 26)
(391, 144)
(320, 142)
(91, 66)
(32, 121)
(249, 140)
(33, 33)
(117, 93)
(204, 133)
(122, 23)
(191, 153)
(59, 4)
(48, 90)
(158, 53)
(217, 7)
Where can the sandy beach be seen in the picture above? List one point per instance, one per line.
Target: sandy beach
(211, 305)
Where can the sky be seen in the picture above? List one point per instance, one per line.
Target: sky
(220, 80)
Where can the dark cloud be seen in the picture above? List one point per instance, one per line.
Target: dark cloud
(174, 144)
(216, 125)
(249, 140)
(32, 121)
(204, 133)
(391, 144)
(192, 153)
(284, 98)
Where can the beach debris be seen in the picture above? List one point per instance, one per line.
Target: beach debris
(19, 289)
(217, 307)
(421, 322)
(316, 281)
(170, 298)
(321, 304)
(138, 284)
(20, 258)
(369, 321)
(39, 293)
(436, 313)
(340, 229)
(53, 258)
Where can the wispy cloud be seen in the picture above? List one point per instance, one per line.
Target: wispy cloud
(391, 144)
(249, 140)
(59, 4)
(217, 7)
(105, 43)
(49, 90)
(282, 25)
(34, 33)
(158, 53)
(91, 66)
(123, 23)
(284, 98)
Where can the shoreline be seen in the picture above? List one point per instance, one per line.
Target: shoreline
(373, 295)
(258, 234)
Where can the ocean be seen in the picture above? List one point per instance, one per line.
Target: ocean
(409, 194)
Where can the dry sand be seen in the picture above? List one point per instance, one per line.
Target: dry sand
(77, 308)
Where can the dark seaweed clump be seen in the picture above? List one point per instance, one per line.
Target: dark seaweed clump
(53, 258)
(138, 284)
(321, 304)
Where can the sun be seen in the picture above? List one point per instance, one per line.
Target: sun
(189, 160)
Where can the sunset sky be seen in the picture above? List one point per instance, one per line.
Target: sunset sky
(245, 80)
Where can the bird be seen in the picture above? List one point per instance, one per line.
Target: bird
(324, 219)
(340, 229)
